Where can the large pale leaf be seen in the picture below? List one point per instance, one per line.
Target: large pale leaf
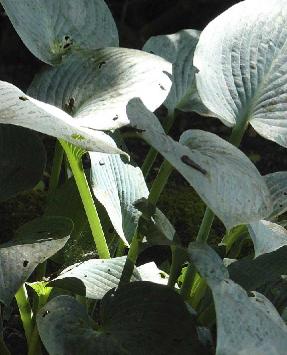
(241, 58)
(253, 273)
(140, 318)
(22, 160)
(35, 242)
(267, 236)
(221, 174)
(95, 86)
(18, 109)
(277, 184)
(52, 28)
(178, 49)
(93, 278)
(118, 184)
(244, 325)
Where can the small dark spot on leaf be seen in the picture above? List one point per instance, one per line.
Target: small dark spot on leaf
(45, 313)
(280, 205)
(101, 163)
(85, 275)
(111, 230)
(151, 52)
(162, 87)
(116, 118)
(23, 98)
(101, 64)
(109, 270)
(162, 275)
(285, 193)
(25, 263)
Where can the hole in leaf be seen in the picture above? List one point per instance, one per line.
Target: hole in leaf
(25, 263)
(67, 42)
(101, 64)
(45, 313)
(23, 98)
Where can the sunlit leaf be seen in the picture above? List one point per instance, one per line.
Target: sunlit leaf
(118, 184)
(18, 109)
(93, 278)
(267, 236)
(35, 242)
(245, 325)
(50, 29)
(178, 49)
(159, 323)
(22, 160)
(225, 179)
(242, 71)
(95, 86)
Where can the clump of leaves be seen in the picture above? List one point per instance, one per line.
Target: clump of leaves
(90, 88)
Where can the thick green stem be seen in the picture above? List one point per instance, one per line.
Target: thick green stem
(160, 182)
(35, 344)
(152, 154)
(88, 202)
(176, 265)
(131, 260)
(25, 311)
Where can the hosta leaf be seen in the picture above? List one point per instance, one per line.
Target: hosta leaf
(244, 326)
(118, 184)
(18, 109)
(95, 86)
(241, 58)
(267, 236)
(22, 160)
(150, 272)
(93, 278)
(154, 225)
(178, 49)
(253, 273)
(52, 28)
(159, 323)
(221, 174)
(277, 184)
(35, 242)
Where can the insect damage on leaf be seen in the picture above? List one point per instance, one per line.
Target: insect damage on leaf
(23, 98)
(186, 160)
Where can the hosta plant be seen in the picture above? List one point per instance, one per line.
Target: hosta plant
(206, 300)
